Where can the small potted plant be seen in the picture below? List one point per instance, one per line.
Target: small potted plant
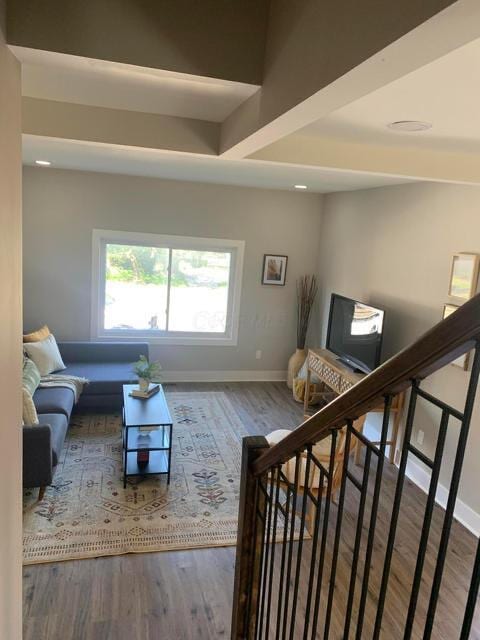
(146, 372)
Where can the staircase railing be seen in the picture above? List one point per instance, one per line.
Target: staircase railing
(310, 567)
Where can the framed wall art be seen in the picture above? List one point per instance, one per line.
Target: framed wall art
(274, 269)
(463, 277)
(461, 361)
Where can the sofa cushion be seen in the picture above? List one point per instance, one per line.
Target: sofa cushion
(100, 403)
(53, 400)
(104, 378)
(101, 352)
(58, 425)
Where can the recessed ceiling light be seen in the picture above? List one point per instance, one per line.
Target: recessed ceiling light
(409, 125)
(43, 163)
(300, 186)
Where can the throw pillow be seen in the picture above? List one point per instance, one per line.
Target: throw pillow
(38, 335)
(31, 376)
(30, 416)
(45, 355)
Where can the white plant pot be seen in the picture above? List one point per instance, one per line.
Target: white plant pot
(143, 384)
(294, 365)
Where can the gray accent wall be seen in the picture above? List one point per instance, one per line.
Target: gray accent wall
(392, 247)
(61, 208)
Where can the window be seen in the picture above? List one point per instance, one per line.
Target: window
(168, 289)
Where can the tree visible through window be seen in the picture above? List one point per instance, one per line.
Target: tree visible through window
(166, 289)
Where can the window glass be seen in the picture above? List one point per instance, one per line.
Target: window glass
(136, 281)
(199, 291)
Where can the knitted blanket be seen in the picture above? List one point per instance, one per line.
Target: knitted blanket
(74, 383)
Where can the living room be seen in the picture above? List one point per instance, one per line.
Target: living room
(172, 204)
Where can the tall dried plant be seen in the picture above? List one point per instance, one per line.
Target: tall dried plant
(306, 292)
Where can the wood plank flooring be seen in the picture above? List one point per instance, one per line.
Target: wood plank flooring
(186, 595)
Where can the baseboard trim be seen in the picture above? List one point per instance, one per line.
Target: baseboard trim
(463, 513)
(224, 376)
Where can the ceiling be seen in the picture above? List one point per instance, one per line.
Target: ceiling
(349, 148)
(445, 93)
(99, 83)
(88, 156)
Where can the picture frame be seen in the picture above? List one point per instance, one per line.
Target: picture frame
(274, 270)
(461, 361)
(463, 277)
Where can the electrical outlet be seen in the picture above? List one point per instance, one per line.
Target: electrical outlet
(420, 436)
(258, 354)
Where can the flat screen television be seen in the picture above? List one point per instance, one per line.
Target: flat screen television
(355, 332)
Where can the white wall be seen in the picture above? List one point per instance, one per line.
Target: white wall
(10, 344)
(393, 247)
(62, 207)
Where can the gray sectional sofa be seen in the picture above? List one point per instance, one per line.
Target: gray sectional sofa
(107, 365)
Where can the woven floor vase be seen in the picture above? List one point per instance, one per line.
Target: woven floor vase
(294, 365)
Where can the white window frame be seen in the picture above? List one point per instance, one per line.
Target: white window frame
(102, 237)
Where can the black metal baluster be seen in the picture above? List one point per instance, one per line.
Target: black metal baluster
(472, 597)
(267, 551)
(338, 530)
(255, 533)
(326, 516)
(358, 540)
(452, 496)
(272, 561)
(300, 541)
(263, 517)
(395, 511)
(427, 519)
(313, 558)
(282, 565)
(373, 515)
(455, 413)
(290, 545)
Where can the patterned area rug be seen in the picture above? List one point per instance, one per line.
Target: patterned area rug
(87, 513)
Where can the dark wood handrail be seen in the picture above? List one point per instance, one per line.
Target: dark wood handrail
(447, 340)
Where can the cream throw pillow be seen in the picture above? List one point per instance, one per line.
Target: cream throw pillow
(45, 355)
(30, 416)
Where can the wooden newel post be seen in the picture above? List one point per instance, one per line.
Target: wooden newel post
(249, 543)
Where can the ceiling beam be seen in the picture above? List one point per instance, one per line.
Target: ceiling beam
(108, 158)
(115, 126)
(324, 55)
(409, 162)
